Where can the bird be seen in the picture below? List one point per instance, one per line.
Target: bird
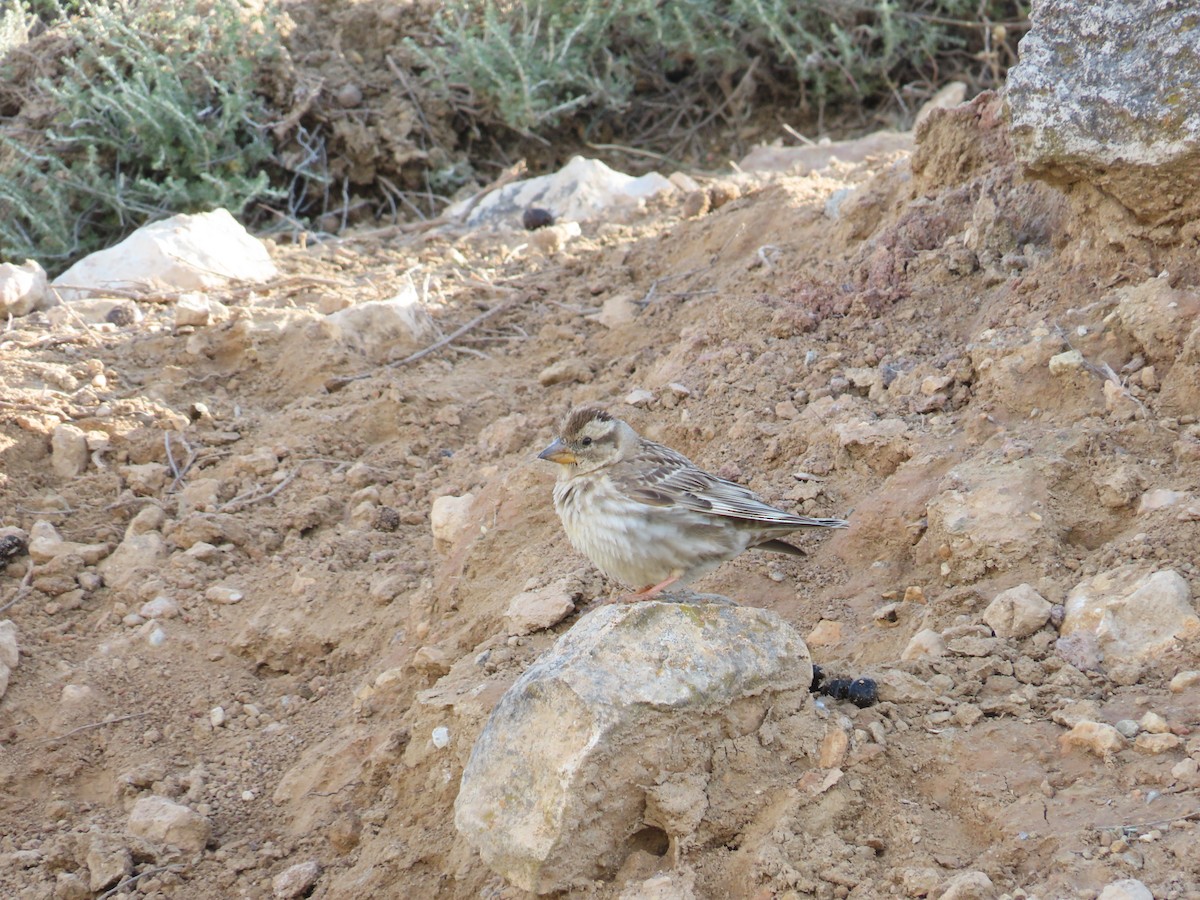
(646, 515)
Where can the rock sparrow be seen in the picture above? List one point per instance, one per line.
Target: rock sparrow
(646, 515)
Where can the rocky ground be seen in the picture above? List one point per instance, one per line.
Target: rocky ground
(243, 662)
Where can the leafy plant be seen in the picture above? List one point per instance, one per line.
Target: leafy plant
(154, 113)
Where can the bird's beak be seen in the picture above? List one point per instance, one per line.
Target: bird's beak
(558, 452)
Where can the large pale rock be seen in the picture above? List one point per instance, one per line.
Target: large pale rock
(187, 252)
(1017, 612)
(139, 552)
(1126, 889)
(582, 190)
(1135, 615)
(22, 288)
(46, 544)
(10, 647)
(379, 328)
(296, 881)
(536, 610)
(108, 861)
(611, 731)
(162, 821)
(1105, 93)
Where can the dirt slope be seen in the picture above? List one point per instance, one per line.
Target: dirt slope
(873, 350)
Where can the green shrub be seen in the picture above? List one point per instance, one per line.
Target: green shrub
(154, 113)
(530, 66)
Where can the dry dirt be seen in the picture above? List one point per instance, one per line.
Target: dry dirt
(777, 320)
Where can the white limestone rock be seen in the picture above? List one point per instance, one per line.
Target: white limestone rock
(23, 289)
(1017, 612)
(162, 821)
(186, 252)
(1136, 616)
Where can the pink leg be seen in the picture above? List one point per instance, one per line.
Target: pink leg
(647, 592)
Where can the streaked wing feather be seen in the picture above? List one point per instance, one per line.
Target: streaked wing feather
(658, 476)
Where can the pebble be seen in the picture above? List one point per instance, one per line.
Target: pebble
(1017, 612)
(161, 607)
(1128, 728)
(1157, 743)
(441, 736)
(220, 593)
(1095, 737)
(1154, 723)
(296, 881)
(216, 716)
(639, 398)
(1125, 889)
(925, 644)
(1185, 680)
(156, 638)
(10, 649)
(163, 821)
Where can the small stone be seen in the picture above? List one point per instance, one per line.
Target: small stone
(825, 633)
(449, 518)
(296, 881)
(834, 747)
(161, 607)
(157, 637)
(1160, 498)
(224, 594)
(440, 737)
(69, 454)
(10, 648)
(617, 311)
(1095, 737)
(161, 821)
(216, 716)
(1186, 770)
(108, 861)
(538, 610)
(696, 204)
(1066, 363)
(970, 885)
(565, 371)
(1017, 612)
(1128, 728)
(679, 390)
(554, 238)
(1185, 680)
(639, 398)
(1157, 743)
(1154, 723)
(914, 594)
(1125, 889)
(69, 886)
(925, 644)
(349, 96)
(431, 660)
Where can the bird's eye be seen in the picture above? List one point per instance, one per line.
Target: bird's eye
(587, 442)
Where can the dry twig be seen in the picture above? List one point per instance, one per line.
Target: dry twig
(91, 726)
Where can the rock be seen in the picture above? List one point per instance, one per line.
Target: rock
(145, 479)
(296, 881)
(1184, 681)
(95, 311)
(898, 686)
(1128, 728)
(1125, 889)
(825, 633)
(925, 644)
(583, 190)
(970, 885)
(162, 821)
(1095, 737)
(1017, 612)
(1161, 498)
(1120, 487)
(508, 434)
(69, 451)
(1067, 363)
(1103, 94)
(161, 607)
(134, 556)
(429, 659)
(1154, 723)
(639, 398)
(538, 610)
(676, 885)
(186, 252)
(567, 370)
(1136, 616)
(449, 519)
(70, 886)
(23, 289)
(554, 238)
(108, 861)
(224, 594)
(197, 310)
(1157, 743)
(379, 329)
(617, 311)
(10, 647)
(557, 782)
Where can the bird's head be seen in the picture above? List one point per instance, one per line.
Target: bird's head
(588, 439)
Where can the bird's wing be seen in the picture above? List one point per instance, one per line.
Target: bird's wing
(659, 476)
